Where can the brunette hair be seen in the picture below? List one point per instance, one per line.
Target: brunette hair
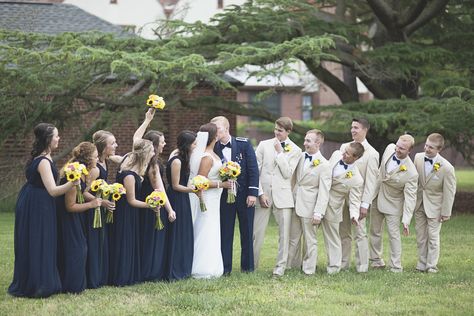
(155, 138)
(185, 140)
(285, 122)
(362, 121)
(437, 138)
(82, 153)
(358, 149)
(211, 129)
(43, 135)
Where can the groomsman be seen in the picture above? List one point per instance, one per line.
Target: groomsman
(240, 150)
(436, 190)
(346, 187)
(311, 194)
(396, 200)
(277, 159)
(368, 166)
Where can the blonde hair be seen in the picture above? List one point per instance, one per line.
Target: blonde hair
(222, 119)
(437, 138)
(408, 139)
(319, 134)
(139, 157)
(99, 139)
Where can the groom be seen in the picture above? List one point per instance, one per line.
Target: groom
(239, 150)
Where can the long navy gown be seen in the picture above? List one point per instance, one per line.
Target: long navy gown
(72, 246)
(35, 271)
(179, 236)
(152, 242)
(124, 242)
(97, 266)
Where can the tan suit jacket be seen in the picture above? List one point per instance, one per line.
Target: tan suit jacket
(368, 166)
(276, 172)
(437, 189)
(342, 188)
(311, 190)
(397, 193)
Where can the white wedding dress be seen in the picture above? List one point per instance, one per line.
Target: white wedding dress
(207, 261)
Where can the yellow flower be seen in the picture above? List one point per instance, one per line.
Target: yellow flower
(349, 174)
(156, 102)
(403, 168)
(287, 148)
(436, 166)
(316, 162)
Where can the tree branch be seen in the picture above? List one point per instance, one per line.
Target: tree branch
(337, 85)
(412, 13)
(383, 12)
(429, 13)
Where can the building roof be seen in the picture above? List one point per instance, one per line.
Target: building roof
(52, 18)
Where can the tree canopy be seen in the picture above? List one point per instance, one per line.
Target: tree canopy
(406, 53)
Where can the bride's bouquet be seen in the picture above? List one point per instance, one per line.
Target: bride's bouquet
(156, 200)
(156, 102)
(230, 171)
(200, 183)
(73, 172)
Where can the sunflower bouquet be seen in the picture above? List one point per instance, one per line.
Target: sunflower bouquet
(200, 183)
(156, 200)
(114, 191)
(73, 172)
(230, 171)
(98, 186)
(156, 102)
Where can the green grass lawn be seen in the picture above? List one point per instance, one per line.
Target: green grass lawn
(465, 180)
(449, 292)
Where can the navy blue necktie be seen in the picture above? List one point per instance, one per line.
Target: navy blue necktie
(343, 164)
(307, 156)
(429, 160)
(396, 160)
(282, 145)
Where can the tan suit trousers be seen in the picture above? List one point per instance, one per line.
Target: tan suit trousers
(332, 242)
(427, 240)
(362, 243)
(376, 241)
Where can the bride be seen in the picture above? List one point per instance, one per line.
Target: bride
(207, 261)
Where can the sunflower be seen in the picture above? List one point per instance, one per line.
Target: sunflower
(116, 196)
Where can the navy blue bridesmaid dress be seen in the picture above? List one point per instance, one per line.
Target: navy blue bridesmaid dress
(124, 239)
(72, 246)
(152, 241)
(35, 270)
(97, 265)
(179, 235)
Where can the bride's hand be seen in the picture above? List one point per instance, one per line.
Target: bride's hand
(226, 184)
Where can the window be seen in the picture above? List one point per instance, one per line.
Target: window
(220, 4)
(272, 103)
(307, 107)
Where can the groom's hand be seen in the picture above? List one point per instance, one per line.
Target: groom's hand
(251, 200)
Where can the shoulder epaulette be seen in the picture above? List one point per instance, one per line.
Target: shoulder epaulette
(242, 139)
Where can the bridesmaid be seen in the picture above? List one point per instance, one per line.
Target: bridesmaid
(72, 244)
(97, 265)
(124, 232)
(153, 241)
(35, 270)
(179, 235)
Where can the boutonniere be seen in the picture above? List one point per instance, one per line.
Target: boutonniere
(403, 168)
(316, 162)
(436, 166)
(287, 148)
(349, 174)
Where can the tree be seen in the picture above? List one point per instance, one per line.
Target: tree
(401, 50)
